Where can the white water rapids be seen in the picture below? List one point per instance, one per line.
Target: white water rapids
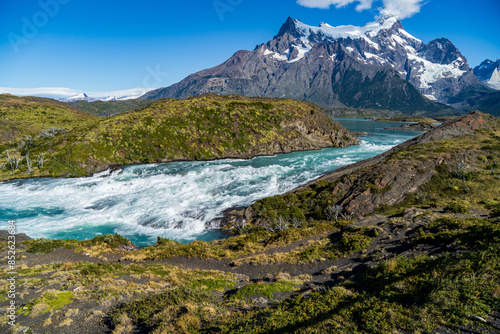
(172, 200)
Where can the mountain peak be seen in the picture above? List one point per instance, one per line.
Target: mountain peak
(443, 51)
(290, 27)
(389, 20)
(298, 29)
(78, 97)
(489, 73)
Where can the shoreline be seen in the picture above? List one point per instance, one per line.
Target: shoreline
(228, 215)
(116, 167)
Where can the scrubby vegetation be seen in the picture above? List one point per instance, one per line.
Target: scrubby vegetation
(305, 262)
(111, 108)
(25, 123)
(111, 241)
(64, 142)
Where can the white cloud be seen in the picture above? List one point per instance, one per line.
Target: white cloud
(325, 4)
(400, 8)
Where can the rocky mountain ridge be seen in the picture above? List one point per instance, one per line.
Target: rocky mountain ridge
(489, 73)
(377, 66)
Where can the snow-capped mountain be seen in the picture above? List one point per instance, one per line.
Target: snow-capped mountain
(378, 66)
(489, 73)
(127, 95)
(70, 95)
(78, 97)
(436, 69)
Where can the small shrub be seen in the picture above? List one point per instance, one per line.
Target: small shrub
(43, 245)
(265, 289)
(354, 242)
(389, 265)
(456, 207)
(495, 212)
(482, 158)
(376, 190)
(112, 240)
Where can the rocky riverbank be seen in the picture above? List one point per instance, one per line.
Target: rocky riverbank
(421, 127)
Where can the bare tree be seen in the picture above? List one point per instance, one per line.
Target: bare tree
(281, 224)
(295, 222)
(9, 159)
(26, 143)
(41, 159)
(333, 211)
(17, 159)
(239, 224)
(13, 158)
(28, 162)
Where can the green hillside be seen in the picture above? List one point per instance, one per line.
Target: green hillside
(30, 116)
(111, 108)
(200, 128)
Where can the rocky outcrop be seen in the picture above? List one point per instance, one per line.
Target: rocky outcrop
(389, 177)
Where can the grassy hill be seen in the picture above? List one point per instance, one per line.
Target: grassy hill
(29, 116)
(111, 108)
(200, 128)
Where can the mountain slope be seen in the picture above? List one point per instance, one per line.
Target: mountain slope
(488, 103)
(201, 128)
(314, 64)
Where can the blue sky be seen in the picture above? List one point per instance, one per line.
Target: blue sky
(113, 45)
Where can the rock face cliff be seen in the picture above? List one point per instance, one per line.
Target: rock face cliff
(378, 66)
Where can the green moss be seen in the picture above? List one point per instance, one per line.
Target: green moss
(211, 284)
(266, 289)
(457, 207)
(53, 300)
(57, 300)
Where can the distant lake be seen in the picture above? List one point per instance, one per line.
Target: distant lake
(174, 200)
